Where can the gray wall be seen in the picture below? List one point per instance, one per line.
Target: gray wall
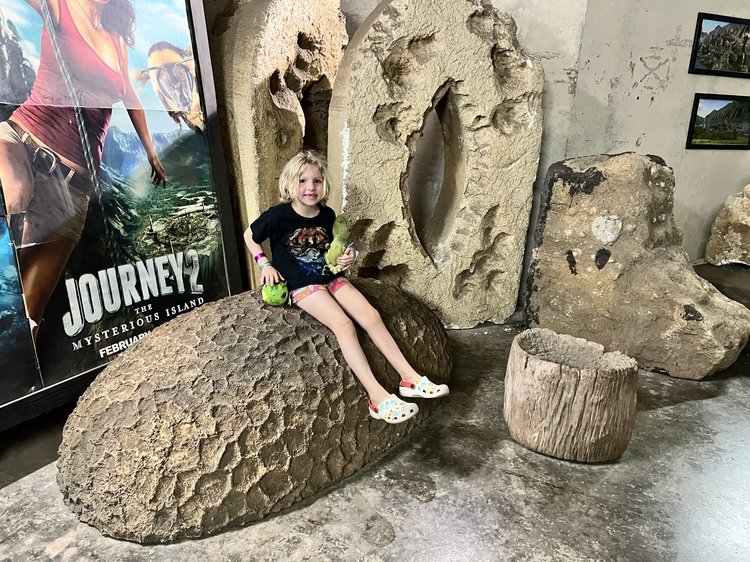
(634, 93)
(616, 80)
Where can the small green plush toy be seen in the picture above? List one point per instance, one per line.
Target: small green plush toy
(338, 246)
(275, 295)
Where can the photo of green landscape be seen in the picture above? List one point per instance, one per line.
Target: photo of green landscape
(722, 46)
(722, 122)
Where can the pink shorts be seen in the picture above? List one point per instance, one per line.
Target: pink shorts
(299, 294)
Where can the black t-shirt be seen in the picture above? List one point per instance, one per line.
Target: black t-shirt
(298, 244)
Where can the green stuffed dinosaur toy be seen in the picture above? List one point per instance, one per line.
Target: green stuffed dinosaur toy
(338, 246)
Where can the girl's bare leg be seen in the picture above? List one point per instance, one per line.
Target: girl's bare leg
(363, 313)
(16, 178)
(41, 267)
(321, 306)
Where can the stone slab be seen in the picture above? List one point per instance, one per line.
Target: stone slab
(459, 60)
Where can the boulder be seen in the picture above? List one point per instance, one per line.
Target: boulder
(230, 412)
(274, 62)
(453, 65)
(730, 233)
(609, 268)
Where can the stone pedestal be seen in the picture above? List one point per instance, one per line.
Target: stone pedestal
(566, 398)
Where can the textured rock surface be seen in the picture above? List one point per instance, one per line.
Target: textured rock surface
(231, 412)
(459, 60)
(730, 233)
(274, 62)
(565, 397)
(609, 268)
(461, 489)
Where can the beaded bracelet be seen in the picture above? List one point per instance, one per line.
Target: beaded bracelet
(258, 256)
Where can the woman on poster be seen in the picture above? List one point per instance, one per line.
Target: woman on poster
(50, 151)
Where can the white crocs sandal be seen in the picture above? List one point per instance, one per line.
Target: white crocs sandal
(425, 388)
(393, 410)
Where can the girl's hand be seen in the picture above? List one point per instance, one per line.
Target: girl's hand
(270, 276)
(158, 176)
(347, 260)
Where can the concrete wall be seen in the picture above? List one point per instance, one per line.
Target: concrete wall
(634, 93)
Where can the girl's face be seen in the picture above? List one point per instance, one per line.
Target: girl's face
(309, 190)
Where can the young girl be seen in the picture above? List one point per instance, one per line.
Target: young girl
(300, 229)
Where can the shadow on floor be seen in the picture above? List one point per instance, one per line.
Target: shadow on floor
(31, 445)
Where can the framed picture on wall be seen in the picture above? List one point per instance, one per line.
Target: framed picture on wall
(127, 211)
(720, 121)
(721, 46)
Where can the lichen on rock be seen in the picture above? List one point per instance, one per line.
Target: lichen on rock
(635, 292)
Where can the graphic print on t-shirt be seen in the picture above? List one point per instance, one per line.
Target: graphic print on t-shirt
(307, 246)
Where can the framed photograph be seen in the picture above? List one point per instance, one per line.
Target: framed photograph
(721, 46)
(720, 121)
(119, 215)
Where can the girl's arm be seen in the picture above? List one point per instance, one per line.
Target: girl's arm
(269, 275)
(138, 118)
(347, 260)
(54, 8)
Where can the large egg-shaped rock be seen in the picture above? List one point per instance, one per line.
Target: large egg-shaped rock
(233, 411)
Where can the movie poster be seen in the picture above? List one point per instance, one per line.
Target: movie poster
(113, 216)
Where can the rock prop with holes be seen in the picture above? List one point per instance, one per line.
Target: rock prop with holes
(730, 233)
(460, 60)
(566, 398)
(274, 61)
(231, 412)
(609, 268)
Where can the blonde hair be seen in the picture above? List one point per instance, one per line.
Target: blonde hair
(292, 170)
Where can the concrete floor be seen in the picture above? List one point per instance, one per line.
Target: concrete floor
(459, 488)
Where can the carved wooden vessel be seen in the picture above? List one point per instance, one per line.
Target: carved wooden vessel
(566, 398)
